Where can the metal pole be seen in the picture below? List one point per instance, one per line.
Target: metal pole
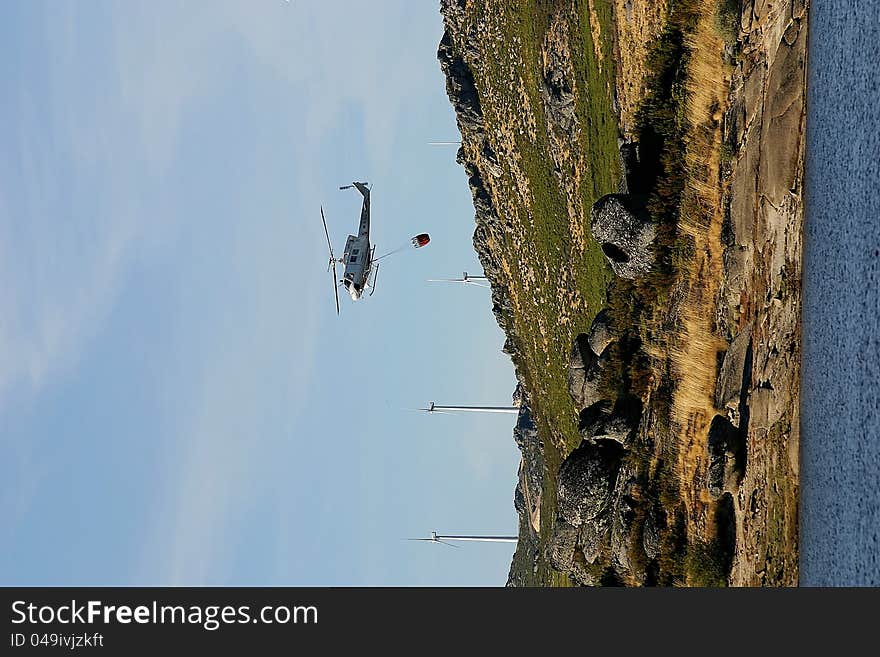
(483, 539)
(432, 407)
(466, 279)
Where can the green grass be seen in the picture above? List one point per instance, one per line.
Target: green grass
(549, 248)
(704, 565)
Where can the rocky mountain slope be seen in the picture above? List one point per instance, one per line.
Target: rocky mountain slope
(659, 434)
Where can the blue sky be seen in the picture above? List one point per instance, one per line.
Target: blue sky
(179, 403)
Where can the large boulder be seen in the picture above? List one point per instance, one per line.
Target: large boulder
(735, 375)
(584, 373)
(618, 428)
(586, 479)
(581, 361)
(630, 181)
(624, 233)
(600, 335)
(583, 575)
(592, 418)
(571, 548)
(624, 537)
(651, 535)
(593, 536)
(561, 545)
(602, 422)
(726, 452)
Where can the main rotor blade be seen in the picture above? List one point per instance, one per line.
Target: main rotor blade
(327, 234)
(445, 543)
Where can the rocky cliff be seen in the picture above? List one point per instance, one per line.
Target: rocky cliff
(462, 91)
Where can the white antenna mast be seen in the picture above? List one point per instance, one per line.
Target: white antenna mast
(436, 408)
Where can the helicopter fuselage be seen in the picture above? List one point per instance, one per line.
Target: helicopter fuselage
(357, 256)
(358, 261)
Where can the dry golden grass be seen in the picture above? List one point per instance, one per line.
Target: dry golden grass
(693, 354)
(637, 23)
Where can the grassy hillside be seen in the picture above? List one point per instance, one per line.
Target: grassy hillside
(550, 175)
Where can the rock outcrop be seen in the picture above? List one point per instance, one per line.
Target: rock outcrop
(460, 87)
(631, 181)
(600, 335)
(764, 130)
(596, 531)
(584, 369)
(624, 233)
(735, 375)
(726, 447)
(586, 480)
(556, 89)
(586, 362)
(601, 417)
(584, 498)
(618, 426)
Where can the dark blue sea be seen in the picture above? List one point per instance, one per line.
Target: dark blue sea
(840, 403)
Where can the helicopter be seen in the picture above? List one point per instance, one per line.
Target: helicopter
(358, 256)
